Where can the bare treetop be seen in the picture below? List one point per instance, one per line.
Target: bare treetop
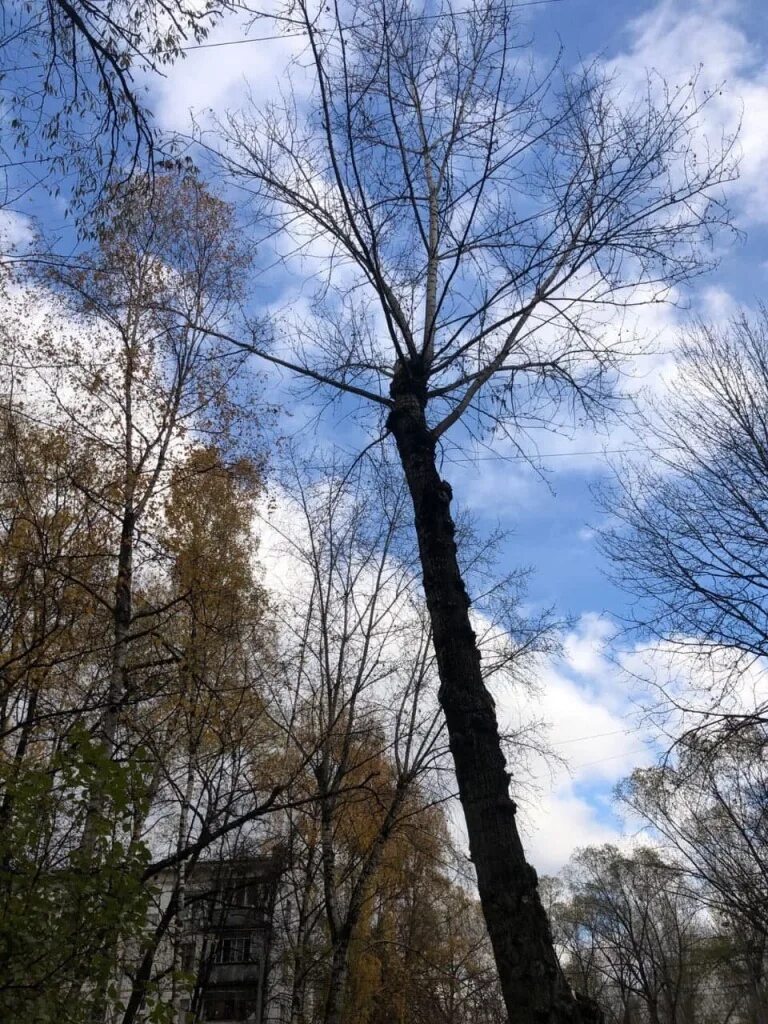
(497, 216)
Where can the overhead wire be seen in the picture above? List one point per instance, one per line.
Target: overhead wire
(284, 35)
(637, 450)
(597, 736)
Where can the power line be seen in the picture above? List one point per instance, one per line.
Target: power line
(596, 736)
(599, 760)
(613, 757)
(182, 49)
(284, 35)
(638, 450)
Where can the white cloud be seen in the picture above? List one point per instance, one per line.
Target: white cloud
(566, 822)
(717, 304)
(608, 716)
(584, 647)
(682, 683)
(586, 699)
(679, 39)
(494, 486)
(235, 60)
(16, 230)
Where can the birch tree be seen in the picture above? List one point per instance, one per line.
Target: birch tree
(135, 381)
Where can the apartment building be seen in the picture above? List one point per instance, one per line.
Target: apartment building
(226, 942)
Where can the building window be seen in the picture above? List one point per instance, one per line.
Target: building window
(236, 949)
(252, 895)
(232, 1005)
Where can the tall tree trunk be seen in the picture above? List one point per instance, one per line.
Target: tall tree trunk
(182, 868)
(533, 986)
(108, 725)
(110, 719)
(121, 626)
(343, 928)
(143, 974)
(301, 953)
(337, 984)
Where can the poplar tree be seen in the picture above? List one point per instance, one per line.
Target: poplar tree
(485, 227)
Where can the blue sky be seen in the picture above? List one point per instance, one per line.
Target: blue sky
(585, 693)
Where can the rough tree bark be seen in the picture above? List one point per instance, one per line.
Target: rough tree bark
(534, 988)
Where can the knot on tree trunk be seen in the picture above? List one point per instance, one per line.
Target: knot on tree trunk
(409, 378)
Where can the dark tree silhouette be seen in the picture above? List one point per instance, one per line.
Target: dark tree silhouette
(493, 223)
(690, 530)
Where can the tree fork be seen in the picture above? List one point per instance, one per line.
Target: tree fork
(533, 986)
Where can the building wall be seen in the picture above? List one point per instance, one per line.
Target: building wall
(225, 941)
